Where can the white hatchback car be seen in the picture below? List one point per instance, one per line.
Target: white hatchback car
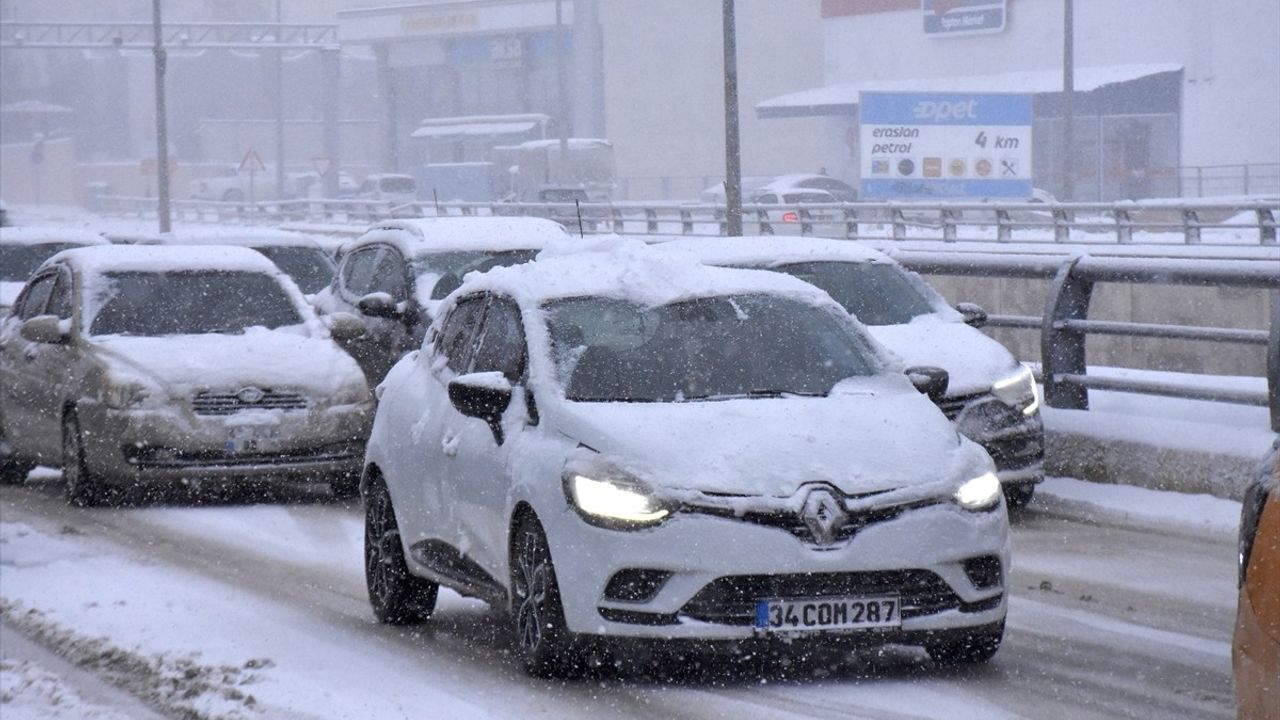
(620, 443)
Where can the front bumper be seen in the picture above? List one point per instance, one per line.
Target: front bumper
(712, 569)
(162, 445)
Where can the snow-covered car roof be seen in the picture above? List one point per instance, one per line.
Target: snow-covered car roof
(611, 266)
(247, 237)
(793, 180)
(770, 252)
(415, 237)
(39, 235)
(163, 258)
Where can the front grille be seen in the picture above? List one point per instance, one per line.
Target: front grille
(229, 403)
(952, 405)
(793, 522)
(1015, 452)
(731, 600)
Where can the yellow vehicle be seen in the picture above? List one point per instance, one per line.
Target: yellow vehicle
(1255, 654)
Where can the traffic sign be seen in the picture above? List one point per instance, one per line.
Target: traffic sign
(252, 162)
(322, 164)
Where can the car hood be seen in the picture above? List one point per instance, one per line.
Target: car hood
(972, 360)
(183, 364)
(873, 437)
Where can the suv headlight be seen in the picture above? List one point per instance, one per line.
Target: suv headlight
(980, 493)
(1018, 391)
(124, 395)
(614, 502)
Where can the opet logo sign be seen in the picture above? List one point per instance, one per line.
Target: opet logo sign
(935, 111)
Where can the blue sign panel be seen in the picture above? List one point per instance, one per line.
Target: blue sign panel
(963, 17)
(945, 145)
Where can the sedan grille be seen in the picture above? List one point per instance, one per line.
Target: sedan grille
(952, 405)
(228, 403)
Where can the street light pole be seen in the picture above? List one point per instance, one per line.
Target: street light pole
(279, 107)
(732, 149)
(162, 131)
(1068, 94)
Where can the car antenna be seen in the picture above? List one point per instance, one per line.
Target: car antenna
(436, 197)
(578, 205)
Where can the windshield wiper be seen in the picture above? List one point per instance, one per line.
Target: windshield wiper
(757, 393)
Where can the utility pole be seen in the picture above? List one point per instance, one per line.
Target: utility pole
(279, 107)
(732, 150)
(162, 131)
(563, 94)
(1068, 185)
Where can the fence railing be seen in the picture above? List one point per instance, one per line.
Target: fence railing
(1189, 222)
(1065, 325)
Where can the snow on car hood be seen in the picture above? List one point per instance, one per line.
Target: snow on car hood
(182, 364)
(972, 360)
(873, 436)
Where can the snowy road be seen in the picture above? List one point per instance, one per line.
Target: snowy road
(259, 611)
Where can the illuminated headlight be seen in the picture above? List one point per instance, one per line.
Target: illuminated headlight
(1018, 391)
(613, 502)
(980, 493)
(124, 395)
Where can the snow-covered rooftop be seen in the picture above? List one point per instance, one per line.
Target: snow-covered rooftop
(164, 258)
(421, 236)
(229, 235)
(38, 235)
(758, 250)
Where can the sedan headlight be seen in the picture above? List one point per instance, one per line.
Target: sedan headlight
(124, 395)
(1018, 391)
(980, 493)
(613, 502)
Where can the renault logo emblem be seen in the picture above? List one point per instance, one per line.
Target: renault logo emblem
(823, 514)
(249, 395)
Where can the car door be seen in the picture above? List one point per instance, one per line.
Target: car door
(355, 278)
(425, 446)
(478, 482)
(35, 373)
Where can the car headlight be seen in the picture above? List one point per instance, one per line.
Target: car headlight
(1018, 391)
(980, 493)
(124, 395)
(613, 502)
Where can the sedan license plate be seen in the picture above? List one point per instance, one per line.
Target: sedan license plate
(249, 438)
(832, 613)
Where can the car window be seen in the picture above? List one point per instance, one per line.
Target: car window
(398, 185)
(190, 302)
(36, 295)
(767, 199)
(309, 267)
(875, 293)
(807, 197)
(501, 346)
(389, 275)
(357, 271)
(60, 301)
(458, 333)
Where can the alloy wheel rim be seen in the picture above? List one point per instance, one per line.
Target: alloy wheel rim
(531, 592)
(72, 453)
(379, 535)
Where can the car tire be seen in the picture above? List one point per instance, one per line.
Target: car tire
(1017, 496)
(84, 487)
(12, 470)
(542, 638)
(398, 596)
(971, 648)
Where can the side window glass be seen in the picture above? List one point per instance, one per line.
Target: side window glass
(768, 200)
(357, 273)
(389, 275)
(60, 300)
(36, 296)
(459, 332)
(501, 346)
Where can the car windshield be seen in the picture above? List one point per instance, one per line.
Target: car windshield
(397, 184)
(309, 267)
(453, 266)
(876, 293)
(707, 348)
(17, 262)
(191, 303)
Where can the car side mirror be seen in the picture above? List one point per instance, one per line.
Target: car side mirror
(482, 395)
(380, 305)
(973, 314)
(43, 329)
(931, 381)
(344, 327)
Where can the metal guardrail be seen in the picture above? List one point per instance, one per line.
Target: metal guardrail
(1186, 222)
(1065, 324)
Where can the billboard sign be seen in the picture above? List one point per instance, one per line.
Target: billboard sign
(963, 17)
(940, 146)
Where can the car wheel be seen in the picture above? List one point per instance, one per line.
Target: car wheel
(542, 638)
(232, 196)
(1017, 496)
(398, 596)
(974, 647)
(84, 488)
(12, 470)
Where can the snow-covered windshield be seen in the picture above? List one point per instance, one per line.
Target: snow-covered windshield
(17, 262)
(701, 349)
(875, 293)
(191, 303)
(309, 267)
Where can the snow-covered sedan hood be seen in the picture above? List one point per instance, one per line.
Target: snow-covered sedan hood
(182, 364)
(877, 435)
(972, 360)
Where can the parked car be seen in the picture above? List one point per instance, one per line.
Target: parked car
(300, 256)
(1255, 652)
(388, 187)
(22, 249)
(309, 184)
(627, 444)
(393, 275)
(839, 189)
(135, 365)
(991, 397)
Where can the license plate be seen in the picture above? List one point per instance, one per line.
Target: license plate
(249, 438)
(839, 613)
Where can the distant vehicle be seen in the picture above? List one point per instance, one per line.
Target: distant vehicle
(990, 396)
(23, 249)
(138, 365)
(300, 256)
(311, 184)
(393, 276)
(538, 166)
(715, 194)
(389, 188)
(1255, 651)
(793, 218)
(235, 185)
(599, 445)
(839, 189)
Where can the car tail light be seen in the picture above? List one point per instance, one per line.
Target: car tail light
(790, 216)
